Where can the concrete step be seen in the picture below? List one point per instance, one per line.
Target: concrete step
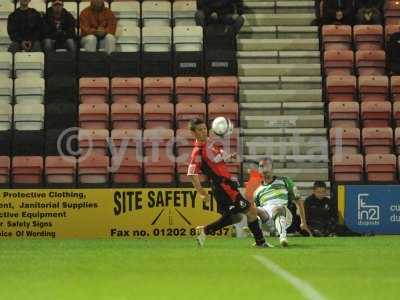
(277, 44)
(313, 121)
(267, 7)
(279, 69)
(278, 57)
(301, 82)
(280, 82)
(280, 95)
(279, 108)
(294, 19)
(302, 174)
(280, 32)
(286, 133)
(295, 7)
(268, 147)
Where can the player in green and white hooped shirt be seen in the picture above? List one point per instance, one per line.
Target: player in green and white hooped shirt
(272, 198)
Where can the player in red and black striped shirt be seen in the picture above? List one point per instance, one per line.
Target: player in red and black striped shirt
(210, 159)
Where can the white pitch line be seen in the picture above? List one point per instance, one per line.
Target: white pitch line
(306, 289)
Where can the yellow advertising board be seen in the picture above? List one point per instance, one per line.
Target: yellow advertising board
(104, 213)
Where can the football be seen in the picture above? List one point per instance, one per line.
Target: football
(222, 126)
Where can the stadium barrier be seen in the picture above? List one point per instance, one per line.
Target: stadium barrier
(370, 209)
(103, 213)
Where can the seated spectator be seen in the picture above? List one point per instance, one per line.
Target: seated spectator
(369, 12)
(24, 28)
(393, 54)
(338, 12)
(58, 28)
(228, 12)
(98, 25)
(321, 212)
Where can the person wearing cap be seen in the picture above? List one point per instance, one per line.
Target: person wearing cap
(24, 28)
(58, 28)
(98, 25)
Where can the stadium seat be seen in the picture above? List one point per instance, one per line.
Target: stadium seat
(338, 62)
(184, 12)
(61, 142)
(27, 171)
(158, 115)
(28, 116)
(72, 7)
(371, 62)
(344, 140)
(348, 167)
(377, 140)
(376, 114)
(5, 142)
(336, 37)
(61, 64)
(6, 90)
(126, 142)
(158, 143)
(159, 173)
(93, 171)
(344, 114)
(126, 90)
(61, 115)
(368, 37)
(94, 116)
(4, 171)
(28, 142)
(29, 64)
(392, 12)
(6, 114)
(126, 12)
(93, 141)
(397, 140)
(126, 115)
(373, 88)
(188, 111)
(128, 38)
(156, 13)
(60, 171)
(390, 29)
(158, 89)
(222, 88)
(126, 171)
(94, 90)
(39, 5)
(29, 90)
(6, 63)
(61, 90)
(93, 64)
(395, 88)
(381, 167)
(190, 89)
(4, 38)
(6, 8)
(396, 113)
(228, 110)
(341, 88)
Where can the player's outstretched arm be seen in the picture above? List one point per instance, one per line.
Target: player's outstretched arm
(300, 206)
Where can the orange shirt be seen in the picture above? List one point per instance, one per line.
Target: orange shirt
(90, 20)
(254, 181)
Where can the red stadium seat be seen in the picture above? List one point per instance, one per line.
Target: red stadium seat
(160, 172)
(158, 89)
(60, 171)
(395, 88)
(126, 170)
(93, 141)
(4, 171)
(228, 110)
(222, 88)
(190, 89)
(344, 114)
(347, 167)
(392, 12)
(345, 140)
(188, 111)
(336, 37)
(381, 167)
(93, 116)
(126, 142)
(341, 88)
(376, 114)
(126, 115)
(397, 139)
(390, 29)
(158, 115)
(371, 62)
(126, 90)
(93, 90)
(338, 62)
(158, 142)
(368, 37)
(93, 170)
(377, 140)
(373, 88)
(27, 171)
(396, 113)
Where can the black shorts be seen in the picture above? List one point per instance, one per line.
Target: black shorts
(226, 205)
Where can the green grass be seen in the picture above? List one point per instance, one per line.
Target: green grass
(339, 268)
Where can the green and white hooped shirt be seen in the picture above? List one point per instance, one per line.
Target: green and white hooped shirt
(279, 192)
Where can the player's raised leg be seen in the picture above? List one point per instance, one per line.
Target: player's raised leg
(279, 216)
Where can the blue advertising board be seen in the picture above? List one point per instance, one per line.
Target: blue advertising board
(372, 208)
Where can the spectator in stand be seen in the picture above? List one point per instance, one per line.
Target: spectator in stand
(338, 12)
(24, 28)
(369, 12)
(58, 28)
(228, 12)
(98, 25)
(321, 211)
(393, 54)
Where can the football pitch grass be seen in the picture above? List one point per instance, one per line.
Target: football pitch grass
(337, 268)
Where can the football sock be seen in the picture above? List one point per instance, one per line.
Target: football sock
(280, 224)
(222, 222)
(256, 231)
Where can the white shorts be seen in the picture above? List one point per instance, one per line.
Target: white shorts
(269, 208)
